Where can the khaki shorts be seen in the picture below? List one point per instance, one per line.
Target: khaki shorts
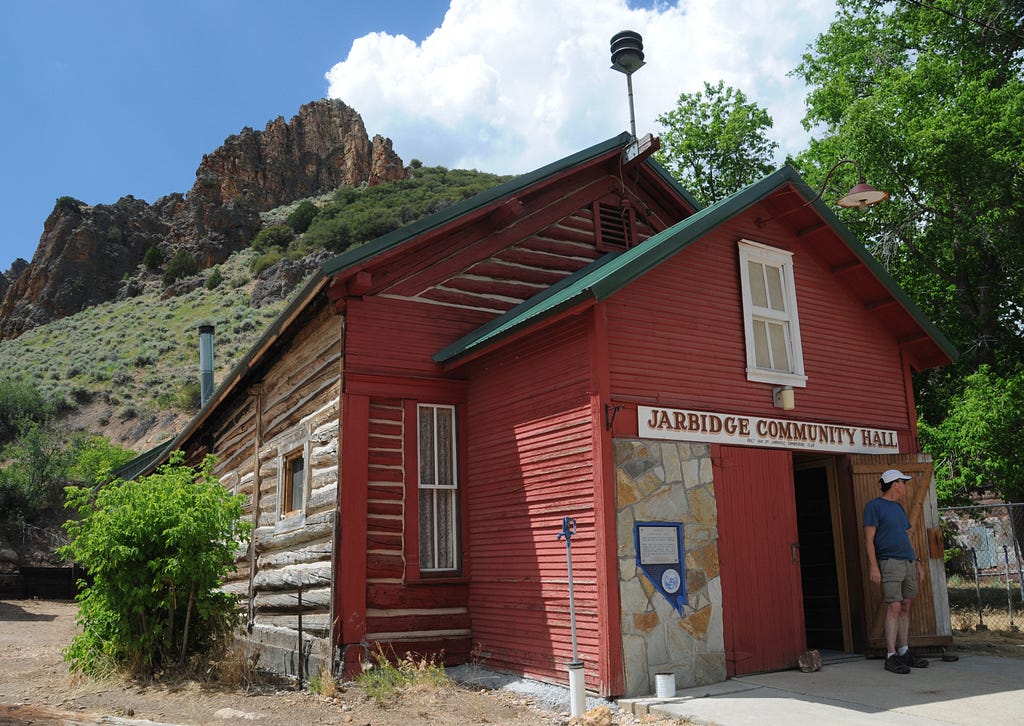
(899, 580)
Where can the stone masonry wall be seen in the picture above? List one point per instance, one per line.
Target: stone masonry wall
(669, 482)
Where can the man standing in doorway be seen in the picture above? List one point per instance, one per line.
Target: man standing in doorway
(893, 564)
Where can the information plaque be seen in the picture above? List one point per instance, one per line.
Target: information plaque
(659, 555)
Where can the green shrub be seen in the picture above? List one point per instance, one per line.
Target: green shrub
(300, 218)
(157, 550)
(69, 203)
(154, 258)
(114, 234)
(181, 265)
(259, 264)
(279, 236)
(215, 279)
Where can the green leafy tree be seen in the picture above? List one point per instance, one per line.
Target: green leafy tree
(20, 403)
(928, 98)
(153, 258)
(278, 236)
(182, 265)
(157, 550)
(976, 447)
(302, 216)
(715, 142)
(36, 470)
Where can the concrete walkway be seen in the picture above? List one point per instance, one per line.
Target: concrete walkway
(977, 689)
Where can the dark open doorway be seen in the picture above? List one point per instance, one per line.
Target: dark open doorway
(819, 565)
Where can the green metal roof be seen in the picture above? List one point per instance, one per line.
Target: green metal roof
(146, 462)
(611, 273)
(478, 201)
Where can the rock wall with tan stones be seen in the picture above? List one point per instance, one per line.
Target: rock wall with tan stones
(669, 482)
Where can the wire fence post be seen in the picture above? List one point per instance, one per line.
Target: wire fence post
(977, 589)
(1009, 590)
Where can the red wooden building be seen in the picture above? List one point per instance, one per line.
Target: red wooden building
(710, 394)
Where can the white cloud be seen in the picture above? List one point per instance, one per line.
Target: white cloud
(508, 87)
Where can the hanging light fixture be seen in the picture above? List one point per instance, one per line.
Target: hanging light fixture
(862, 196)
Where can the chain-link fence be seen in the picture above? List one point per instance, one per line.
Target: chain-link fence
(984, 568)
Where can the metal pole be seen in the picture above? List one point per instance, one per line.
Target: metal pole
(632, 116)
(1016, 549)
(300, 635)
(577, 688)
(1009, 590)
(977, 589)
(568, 530)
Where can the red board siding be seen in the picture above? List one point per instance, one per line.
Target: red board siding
(530, 463)
(762, 605)
(682, 320)
(417, 617)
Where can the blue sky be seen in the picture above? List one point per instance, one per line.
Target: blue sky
(108, 98)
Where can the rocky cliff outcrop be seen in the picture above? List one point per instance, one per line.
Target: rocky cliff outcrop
(86, 251)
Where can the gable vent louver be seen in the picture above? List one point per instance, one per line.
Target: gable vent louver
(614, 226)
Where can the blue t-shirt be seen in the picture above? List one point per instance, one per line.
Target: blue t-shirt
(891, 524)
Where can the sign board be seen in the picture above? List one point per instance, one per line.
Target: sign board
(659, 555)
(741, 430)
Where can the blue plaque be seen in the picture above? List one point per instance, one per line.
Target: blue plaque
(659, 555)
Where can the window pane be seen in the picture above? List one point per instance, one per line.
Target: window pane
(758, 294)
(775, 297)
(779, 347)
(445, 447)
(297, 475)
(445, 529)
(426, 446)
(762, 357)
(427, 559)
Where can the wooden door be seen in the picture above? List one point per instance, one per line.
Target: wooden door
(762, 601)
(929, 616)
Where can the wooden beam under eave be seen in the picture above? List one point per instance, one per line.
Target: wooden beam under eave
(359, 284)
(879, 304)
(507, 213)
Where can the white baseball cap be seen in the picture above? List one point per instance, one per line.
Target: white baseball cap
(891, 475)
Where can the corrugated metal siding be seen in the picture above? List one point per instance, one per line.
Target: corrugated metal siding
(684, 319)
(530, 463)
(762, 604)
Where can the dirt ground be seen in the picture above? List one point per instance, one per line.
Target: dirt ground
(36, 688)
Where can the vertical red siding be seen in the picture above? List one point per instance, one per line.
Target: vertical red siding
(762, 603)
(530, 463)
(683, 320)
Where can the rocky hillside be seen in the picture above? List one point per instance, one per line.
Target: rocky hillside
(86, 252)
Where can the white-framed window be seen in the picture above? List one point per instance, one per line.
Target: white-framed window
(438, 488)
(770, 322)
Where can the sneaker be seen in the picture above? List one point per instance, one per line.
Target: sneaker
(912, 660)
(895, 664)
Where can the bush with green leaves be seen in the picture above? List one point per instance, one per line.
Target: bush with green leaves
(277, 237)
(215, 279)
(20, 403)
(300, 218)
(69, 203)
(153, 258)
(182, 265)
(157, 550)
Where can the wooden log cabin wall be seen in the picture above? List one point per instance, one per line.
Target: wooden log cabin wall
(277, 444)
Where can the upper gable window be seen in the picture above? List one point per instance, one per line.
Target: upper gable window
(770, 322)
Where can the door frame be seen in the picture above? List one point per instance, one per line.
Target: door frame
(836, 509)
